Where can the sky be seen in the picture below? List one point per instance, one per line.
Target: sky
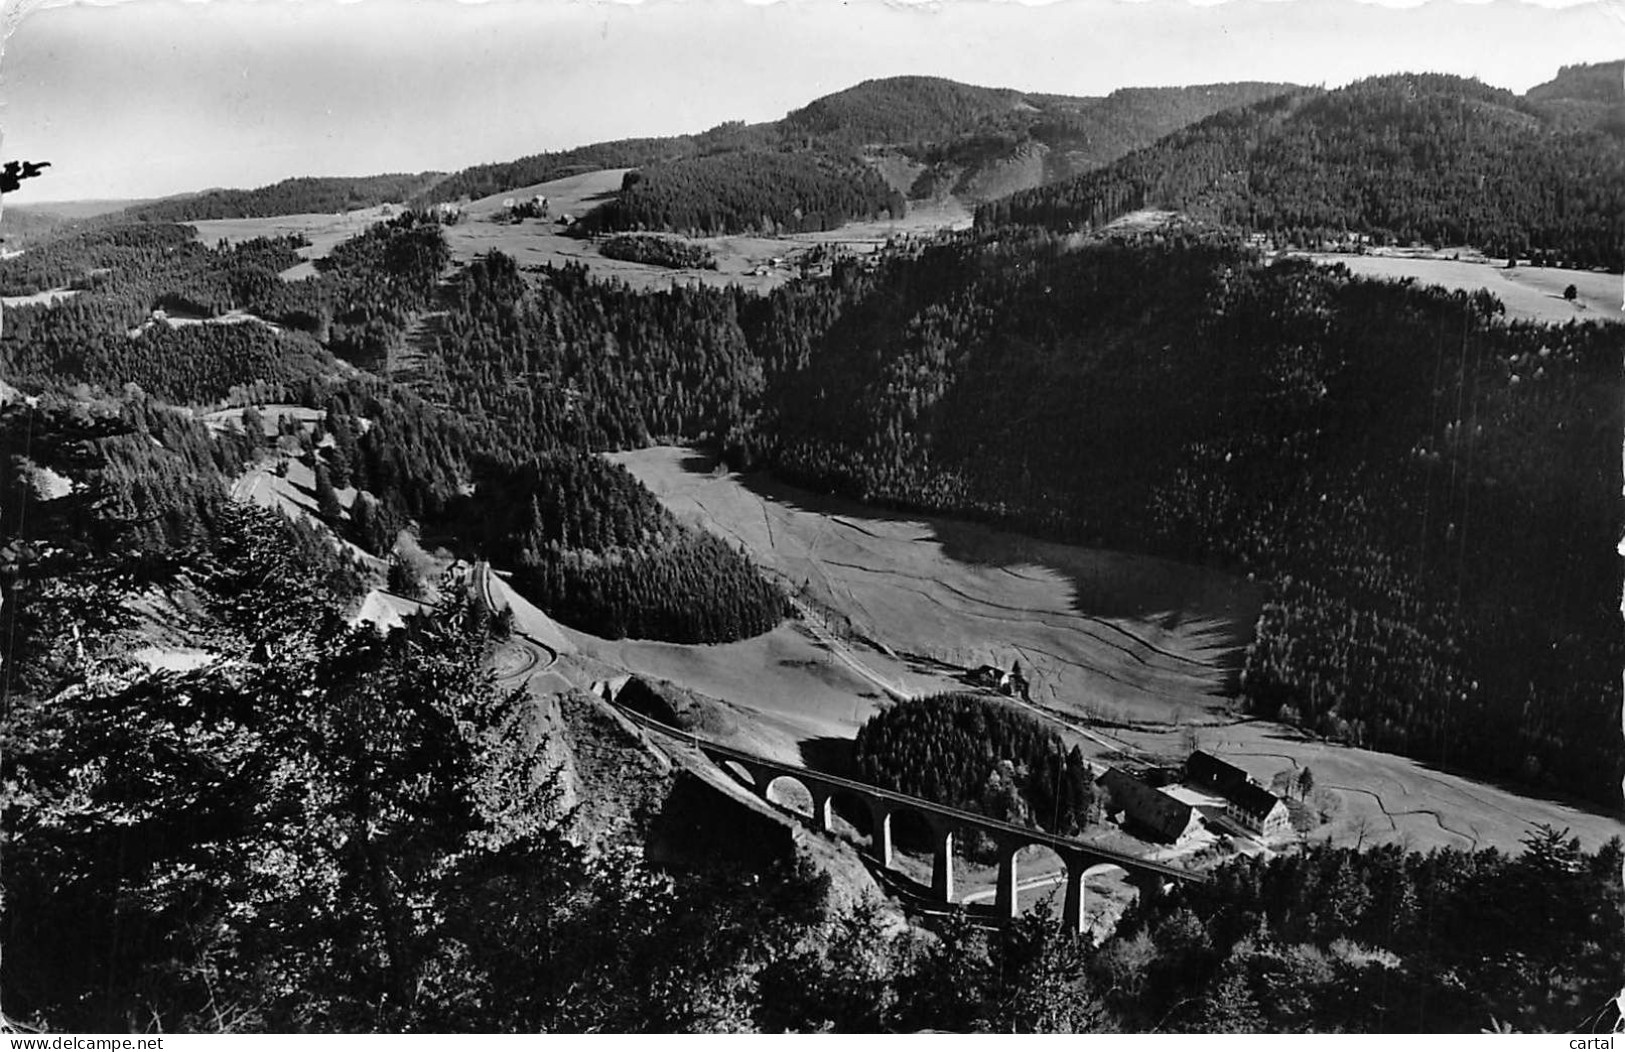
(143, 98)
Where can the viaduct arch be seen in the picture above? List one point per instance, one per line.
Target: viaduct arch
(758, 773)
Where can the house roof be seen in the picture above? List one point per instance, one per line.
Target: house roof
(1152, 808)
(1232, 782)
(1210, 770)
(1255, 799)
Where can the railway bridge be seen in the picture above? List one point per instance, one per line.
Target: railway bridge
(759, 774)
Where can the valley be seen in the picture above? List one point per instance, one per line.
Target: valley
(1127, 654)
(951, 559)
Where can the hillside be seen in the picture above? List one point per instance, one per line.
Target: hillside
(484, 180)
(904, 110)
(1585, 96)
(747, 191)
(1377, 456)
(288, 197)
(953, 138)
(1400, 159)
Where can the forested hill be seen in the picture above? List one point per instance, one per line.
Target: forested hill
(904, 110)
(767, 191)
(1425, 158)
(483, 180)
(931, 119)
(1590, 95)
(1593, 82)
(948, 131)
(289, 197)
(1428, 496)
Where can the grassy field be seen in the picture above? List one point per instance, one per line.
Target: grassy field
(48, 297)
(1529, 293)
(741, 259)
(1127, 652)
(1098, 633)
(324, 230)
(759, 263)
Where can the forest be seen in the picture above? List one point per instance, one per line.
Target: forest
(585, 538)
(1426, 159)
(737, 177)
(660, 251)
(1376, 454)
(232, 824)
(486, 179)
(954, 127)
(360, 303)
(288, 197)
(755, 191)
(588, 543)
(978, 754)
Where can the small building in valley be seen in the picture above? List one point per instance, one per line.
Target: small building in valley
(1151, 810)
(1247, 803)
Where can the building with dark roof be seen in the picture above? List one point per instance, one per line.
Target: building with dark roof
(1150, 809)
(1247, 802)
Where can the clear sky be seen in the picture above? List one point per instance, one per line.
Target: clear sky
(150, 97)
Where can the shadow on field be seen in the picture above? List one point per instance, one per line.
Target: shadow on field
(1114, 588)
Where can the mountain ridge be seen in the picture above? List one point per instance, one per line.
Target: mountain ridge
(1403, 158)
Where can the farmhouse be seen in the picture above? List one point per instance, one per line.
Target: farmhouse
(1150, 809)
(1010, 683)
(1246, 802)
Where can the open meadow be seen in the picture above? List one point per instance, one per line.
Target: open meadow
(1098, 633)
(324, 231)
(753, 262)
(1529, 293)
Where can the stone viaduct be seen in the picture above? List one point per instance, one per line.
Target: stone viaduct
(759, 773)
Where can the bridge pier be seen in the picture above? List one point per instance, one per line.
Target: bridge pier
(880, 836)
(1072, 915)
(1009, 880)
(823, 818)
(942, 867)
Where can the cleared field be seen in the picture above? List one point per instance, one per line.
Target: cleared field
(741, 260)
(180, 321)
(45, 298)
(759, 263)
(1104, 634)
(1529, 293)
(323, 229)
(1096, 632)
